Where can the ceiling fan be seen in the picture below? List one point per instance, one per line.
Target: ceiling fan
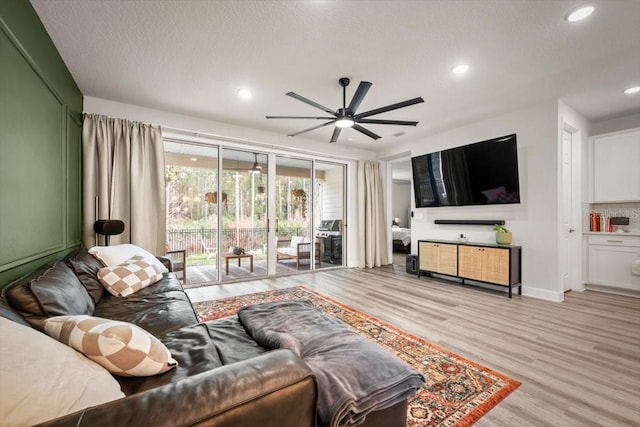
(346, 116)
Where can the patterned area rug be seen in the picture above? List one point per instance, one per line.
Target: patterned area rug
(458, 391)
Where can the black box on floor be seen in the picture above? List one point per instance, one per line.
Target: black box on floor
(412, 264)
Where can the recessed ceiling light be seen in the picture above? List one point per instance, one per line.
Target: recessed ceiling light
(580, 13)
(244, 94)
(632, 90)
(460, 69)
(194, 159)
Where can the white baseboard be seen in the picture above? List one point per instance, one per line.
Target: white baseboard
(612, 290)
(544, 294)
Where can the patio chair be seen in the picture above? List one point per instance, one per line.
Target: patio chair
(211, 251)
(297, 248)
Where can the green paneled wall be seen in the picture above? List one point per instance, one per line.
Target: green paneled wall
(40, 146)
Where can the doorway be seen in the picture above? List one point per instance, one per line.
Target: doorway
(569, 250)
(399, 184)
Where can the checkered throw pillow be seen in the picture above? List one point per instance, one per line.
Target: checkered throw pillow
(128, 278)
(120, 347)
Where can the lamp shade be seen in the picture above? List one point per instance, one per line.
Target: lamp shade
(108, 227)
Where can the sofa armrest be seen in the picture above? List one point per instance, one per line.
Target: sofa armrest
(274, 389)
(166, 261)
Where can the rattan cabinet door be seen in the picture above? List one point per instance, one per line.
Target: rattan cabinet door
(495, 268)
(448, 259)
(470, 260)
(428, 256)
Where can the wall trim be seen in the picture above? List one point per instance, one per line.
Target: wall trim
(544, 294)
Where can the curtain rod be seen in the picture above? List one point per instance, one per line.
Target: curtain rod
(222, 138)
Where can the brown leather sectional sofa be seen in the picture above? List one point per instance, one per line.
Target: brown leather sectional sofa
(223, 377)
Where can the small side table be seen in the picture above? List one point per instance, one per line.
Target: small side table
(179, 262)
(227, 257)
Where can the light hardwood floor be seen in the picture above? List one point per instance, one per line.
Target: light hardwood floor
(578, 361)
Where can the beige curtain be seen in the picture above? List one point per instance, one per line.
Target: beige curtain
(123, 166)
(373, 225)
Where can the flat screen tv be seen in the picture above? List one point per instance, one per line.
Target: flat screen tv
(483, 173)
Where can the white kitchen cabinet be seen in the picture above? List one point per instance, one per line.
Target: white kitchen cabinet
(614, 165)
(610, 260)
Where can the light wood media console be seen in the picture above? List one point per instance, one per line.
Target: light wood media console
(479, 262)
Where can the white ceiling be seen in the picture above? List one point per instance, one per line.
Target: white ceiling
(192, 56)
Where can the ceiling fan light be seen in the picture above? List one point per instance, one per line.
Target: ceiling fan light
(345, 122)
(580, 13)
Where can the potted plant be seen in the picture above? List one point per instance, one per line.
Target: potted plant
(503, 235)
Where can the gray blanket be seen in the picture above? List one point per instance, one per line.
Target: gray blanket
(355, 376)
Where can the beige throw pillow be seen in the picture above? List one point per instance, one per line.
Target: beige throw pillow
(122, 348)
(130, 277)
(42, 379)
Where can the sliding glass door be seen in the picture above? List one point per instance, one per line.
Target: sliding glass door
(235, 214)
(192, 211)
(309, 197)
(329, 213)
(295, 249)
(244, 232)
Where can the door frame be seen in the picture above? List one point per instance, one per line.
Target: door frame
(391, 161)
(574, 260)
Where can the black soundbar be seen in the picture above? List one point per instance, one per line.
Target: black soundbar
(470, 221)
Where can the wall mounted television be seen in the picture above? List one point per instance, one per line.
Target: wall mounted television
(483, 173)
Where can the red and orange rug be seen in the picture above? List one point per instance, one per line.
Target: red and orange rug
(458, 391)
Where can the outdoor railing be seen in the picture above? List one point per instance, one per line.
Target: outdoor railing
(202, 240)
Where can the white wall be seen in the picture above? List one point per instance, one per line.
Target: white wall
(534, 222)
(401, 202)
(615, 124)
(241, 136)
(332, 194)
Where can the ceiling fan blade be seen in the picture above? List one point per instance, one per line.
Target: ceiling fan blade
(388, 122)
(361, 92)
(336, 134)
(366, 132)
(389, 108)
(313, 128)
(310, 102)
(300, 117)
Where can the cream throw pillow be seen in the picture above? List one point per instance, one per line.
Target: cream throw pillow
(130, 277)
(111, 256)
(122, 348)
(42, 379)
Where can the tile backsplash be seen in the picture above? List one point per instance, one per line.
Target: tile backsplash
(630, 210)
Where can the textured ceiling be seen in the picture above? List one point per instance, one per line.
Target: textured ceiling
(191, 57)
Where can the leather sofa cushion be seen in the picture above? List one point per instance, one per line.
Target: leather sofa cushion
(86, 267)
(158, 309)
(9, 313)
(232, 340)
(194, 350)
(52, 290)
